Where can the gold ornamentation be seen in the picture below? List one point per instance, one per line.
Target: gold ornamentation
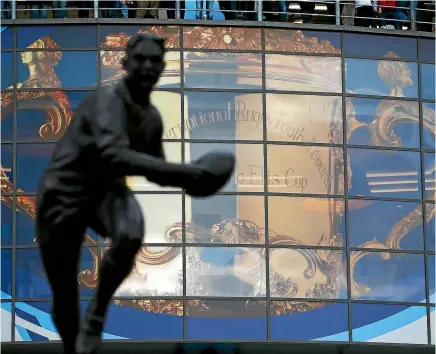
(395, 74)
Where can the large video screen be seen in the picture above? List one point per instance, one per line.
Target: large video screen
(326, 230)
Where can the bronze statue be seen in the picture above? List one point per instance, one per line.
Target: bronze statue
(116, 133)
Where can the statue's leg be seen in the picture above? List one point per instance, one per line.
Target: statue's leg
(59, 241)
(120, 218)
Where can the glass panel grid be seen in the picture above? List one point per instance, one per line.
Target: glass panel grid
(247, 262)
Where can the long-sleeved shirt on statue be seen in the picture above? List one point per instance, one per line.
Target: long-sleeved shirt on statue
(109, 138)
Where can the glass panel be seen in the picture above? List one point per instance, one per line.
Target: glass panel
(226, 320)
(329, 229)
(386, 276)
(6, 166)
(382, 173)
(365, 45)
(389, 323)
(37, 110)
(306, 119)
(225, 219)
(227, 271)
(382, 77)
(6, 271)
(429, 130)
(147, 319)
(374, 122)
(6, 332)
(427, 49)
(32, 159)
(7, 74)
(305, 169)
(395, 225)
(6, 220)
(157, 271)
(297, 41)
(173, 153)
(223, 70)
(31, 281)
(303, 73)
(7, 121)
(430, 230)
(224, 116)
(226, 38)
(428, 81)
(112, 69)
(54, 69)
(64, 36)
(295, 273)
(431, 277)
(432, 324)
(248, 175)
(309, 321)
(117, 36)
(430, 175)
(7, 39)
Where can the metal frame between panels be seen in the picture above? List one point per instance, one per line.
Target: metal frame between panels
(262, 142)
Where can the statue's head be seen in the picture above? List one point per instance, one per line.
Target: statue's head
(144, 60)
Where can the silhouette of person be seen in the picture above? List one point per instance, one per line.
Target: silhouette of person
(116, 133)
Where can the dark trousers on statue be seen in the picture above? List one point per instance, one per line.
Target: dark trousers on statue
(60, 235)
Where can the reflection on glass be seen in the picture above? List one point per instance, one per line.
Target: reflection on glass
(45, 115)
(147, 319)
(383, 173)
(225, 219)
(309, 321)
(432, 324)
(6, 333)
(66, 36)
(306, 119)
(7, 72)
(7, 122)
(117, 36)
(6, 220)
(112, 68)
(225, 38)
(427, 49)
(303, 73)
(297, 41)
(296, 273)
(382, 77)
(395, 225)
(305, 169)
(31, 161)
(226, 320)
(373, 322)
(429, 128)
(223, 70)
(224, 116)
(7, 177)
(430, 175)
(31, 281)
(428, 81)
(431, 277)
(6, 271)
(365, 45)
(387, 276)
(430, 229)
(227, 271)
(374, 122)
(283, 227)
(248, 175)
(173, 153)
(7, 39)
(54, 69)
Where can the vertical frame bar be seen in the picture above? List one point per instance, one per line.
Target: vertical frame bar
(260, 11)
(265, 186)
(178, 11)
(95, 8)
(413, 17)
(337, 12)
(14, 9)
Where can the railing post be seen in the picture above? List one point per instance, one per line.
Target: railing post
(412, 16)
(95, 8)
(338, 12)
(178, 9)
(259, 10)
(14, 9)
